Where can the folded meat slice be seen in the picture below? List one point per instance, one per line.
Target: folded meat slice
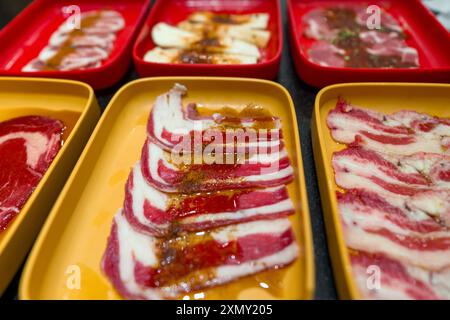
(28, 145)
(169, 125)
(396, 280)
(144, 267)
(162, 170)
(152, 211)
(381, 228)
(404, 133)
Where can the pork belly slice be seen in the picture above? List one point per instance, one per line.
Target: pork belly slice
(404, 132)
(258, 171)
(356, 167)
(152, 211)
(398, 281)
(169, 126)
(144, 267)
(28, 145)
(376, 227)
(368, 210)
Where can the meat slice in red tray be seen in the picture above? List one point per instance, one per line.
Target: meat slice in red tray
(149, 210)
(87, 47)
(167, 173)
(396, 280)
(28, 145)
(403, 133)
(326, 54)
(144, 267)
(169, 124)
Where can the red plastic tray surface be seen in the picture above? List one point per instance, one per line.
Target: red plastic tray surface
(24, 37)
(174, 11)
(424, 33)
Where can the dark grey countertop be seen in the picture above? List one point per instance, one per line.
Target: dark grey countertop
(303, 96)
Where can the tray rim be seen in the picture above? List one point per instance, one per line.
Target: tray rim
(341, 265)
(139, 61)
(90, 104)
(309, 268)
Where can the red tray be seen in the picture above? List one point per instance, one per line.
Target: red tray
(174, 11)
(25, 36)
(426, 34)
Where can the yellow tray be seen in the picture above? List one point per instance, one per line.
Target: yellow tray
(74, 237)
(383, 97)
(73, 103)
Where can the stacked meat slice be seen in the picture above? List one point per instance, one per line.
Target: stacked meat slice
(395, 209)
(188, 226)
(72, 48)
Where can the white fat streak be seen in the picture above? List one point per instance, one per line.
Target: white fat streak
(234, 232)
(359, 239)
(282, 206)
(143, 191)
(36, 145)
(366, 168)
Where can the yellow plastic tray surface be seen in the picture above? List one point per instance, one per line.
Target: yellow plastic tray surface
(74, 104)
(65, 263)
(388, 98)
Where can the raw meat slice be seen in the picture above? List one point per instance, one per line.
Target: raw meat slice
(406, 175)
(397, 281)
(404, 133)
(152, 211)
(316, 26)
(326, 54)
(387, 20)
(28, 145)
(169, 126)
(369, 210)
(143, 267)
(163, 171)
(426, 250)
